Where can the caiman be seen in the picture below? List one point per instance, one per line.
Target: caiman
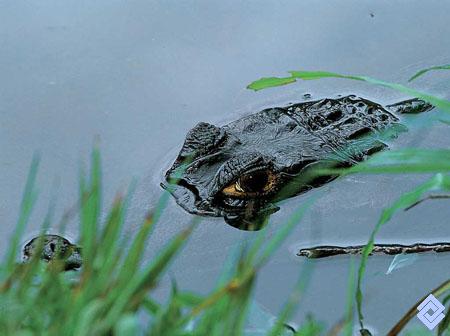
(239, 170)
(54, 247)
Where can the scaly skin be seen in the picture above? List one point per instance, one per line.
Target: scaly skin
(285, 144)
(54, 247)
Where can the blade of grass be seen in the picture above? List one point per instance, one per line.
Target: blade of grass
(405, 200)
(90, 196)
(281, 234)
(109, 251)
(33, 264)
(445, 287)
(424, 71)
(109, 239)
(267, 82)
(312, 327)
(294, 298)
(348, 325)
(141, 282)
(445, 325)
(28, 201)
(401, 161)
(312, 75)
(134, 255)
(87, 317)
(92, 284)
(241, 280)
(239, 300)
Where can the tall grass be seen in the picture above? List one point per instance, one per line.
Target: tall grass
(113, 293)
(404, 161)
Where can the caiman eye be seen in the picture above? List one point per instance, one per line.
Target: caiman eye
(257, 183)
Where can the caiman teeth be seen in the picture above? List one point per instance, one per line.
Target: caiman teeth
(238, 186)
(234, 202)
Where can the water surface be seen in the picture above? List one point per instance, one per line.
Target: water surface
(140, 74)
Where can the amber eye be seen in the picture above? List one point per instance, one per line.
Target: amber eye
(256, 183)
(252, 182)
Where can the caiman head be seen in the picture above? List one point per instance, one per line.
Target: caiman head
(237, 171)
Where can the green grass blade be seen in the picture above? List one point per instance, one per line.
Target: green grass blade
(438, 181)
(438, 291)
(239, 299)
(424, 71)
(34, 263)
(111, 233)
(440, 103)
(267, 82)
(403, 161)
(134, 256)
(348, 325)
(90, 201)
(312, 75)
(294, 298)
(87, 317)
(140, 283)
(312, 327)
(28, 200)
(445, 324)
(282, 233)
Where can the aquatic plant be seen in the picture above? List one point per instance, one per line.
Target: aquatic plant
(404, 161)
(112, 294)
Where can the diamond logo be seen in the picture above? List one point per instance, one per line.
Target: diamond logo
(430, 312)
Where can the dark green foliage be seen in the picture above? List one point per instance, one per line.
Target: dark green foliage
(399, 161)
(115, 285)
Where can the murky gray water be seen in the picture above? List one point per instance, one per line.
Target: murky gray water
(140, 74)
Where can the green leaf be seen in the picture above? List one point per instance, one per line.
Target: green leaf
(264, 83)
(28, 201)
(311, 75)
(424, 71)
(267, 82)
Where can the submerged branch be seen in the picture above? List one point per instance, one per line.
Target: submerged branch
(391, 249)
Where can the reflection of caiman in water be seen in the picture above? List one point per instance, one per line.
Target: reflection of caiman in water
(239, 170)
